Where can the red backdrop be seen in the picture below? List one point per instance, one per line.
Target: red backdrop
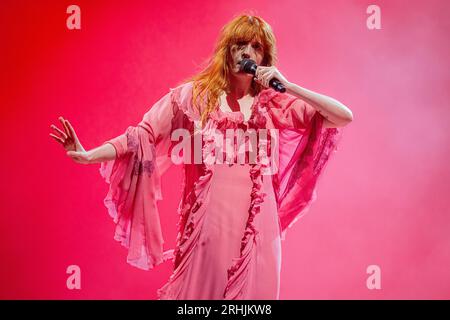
(382, 201)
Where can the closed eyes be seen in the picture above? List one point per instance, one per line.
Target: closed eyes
(256, 45)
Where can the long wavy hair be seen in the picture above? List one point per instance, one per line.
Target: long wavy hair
(209, 83)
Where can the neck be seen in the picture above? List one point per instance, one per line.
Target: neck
(240, 86)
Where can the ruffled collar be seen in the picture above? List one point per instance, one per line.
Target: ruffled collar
(237, 117)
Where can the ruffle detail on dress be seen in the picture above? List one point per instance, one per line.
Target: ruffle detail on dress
(238, 273)
(222, 118)
(136, 218)
(192, 214)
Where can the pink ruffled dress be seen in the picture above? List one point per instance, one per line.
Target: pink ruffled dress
(232, 215)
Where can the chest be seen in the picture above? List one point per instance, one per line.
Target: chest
(243, 105)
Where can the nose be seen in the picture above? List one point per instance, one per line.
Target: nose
(246, 52)
(245, 55)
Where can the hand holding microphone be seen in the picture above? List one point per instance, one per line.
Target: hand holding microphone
(250, 66)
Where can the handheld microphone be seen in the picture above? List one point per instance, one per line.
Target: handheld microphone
(249, 66)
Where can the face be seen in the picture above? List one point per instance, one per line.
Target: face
(245, 50)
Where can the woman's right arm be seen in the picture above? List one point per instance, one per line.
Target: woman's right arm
(102, 153)
(134, 173)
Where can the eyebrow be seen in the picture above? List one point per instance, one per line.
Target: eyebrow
(246, 41)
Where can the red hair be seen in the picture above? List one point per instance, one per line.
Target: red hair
(213, 79)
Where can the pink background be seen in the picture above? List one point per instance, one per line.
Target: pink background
(382, 200)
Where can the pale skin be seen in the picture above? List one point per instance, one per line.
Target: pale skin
(335, 113)
(69, 140)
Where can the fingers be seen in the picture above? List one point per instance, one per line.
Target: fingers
(258, 76)
(58, 139)
(261, 71)
(72, 131)
(263, 80)
(65, 126)
(264, 75)
(64, 135)
(268, 76)
(59, 131)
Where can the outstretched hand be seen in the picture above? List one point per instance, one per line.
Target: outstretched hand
(69, 140)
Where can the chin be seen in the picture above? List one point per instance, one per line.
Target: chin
(243, 74)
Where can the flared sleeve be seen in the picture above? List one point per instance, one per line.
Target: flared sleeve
(305, 147)
(134, 182)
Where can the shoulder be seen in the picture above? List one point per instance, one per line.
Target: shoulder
(182, 97)
(182, 91)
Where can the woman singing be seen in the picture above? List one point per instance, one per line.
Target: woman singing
(232, 214)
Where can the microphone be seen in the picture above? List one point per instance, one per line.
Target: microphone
(249, 66)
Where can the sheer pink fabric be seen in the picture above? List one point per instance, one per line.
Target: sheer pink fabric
(231, 217)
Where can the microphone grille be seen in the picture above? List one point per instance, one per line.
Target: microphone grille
(246, 65)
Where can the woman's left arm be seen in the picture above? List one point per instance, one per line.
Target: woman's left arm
(335, 113)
